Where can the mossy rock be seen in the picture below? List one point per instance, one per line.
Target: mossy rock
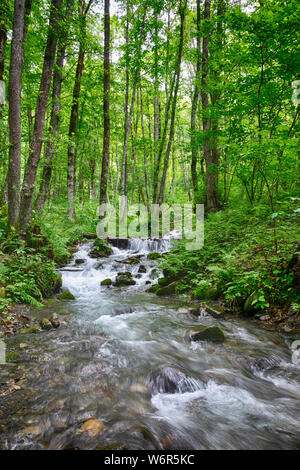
(206, 293)
(79, 261)
(46, 324)
(32, 329)
(124, 281)
(106, 282)
(163, 281)
(153, 288)
(100, 249)
(131, 261)
(167, 290)
(66, 295)
(154, 256)
(214, 334)
(11, 357)
(249, 305)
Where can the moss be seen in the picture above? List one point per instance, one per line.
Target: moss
(154, 256)
(11, 357)
(32, 329)
(45, 324)
(206, 293)
(106, 282)
(153, 288)
(167, 290)
(100, 249)
(124, 282)
(249, 305)
(66, 295)
(214, 334)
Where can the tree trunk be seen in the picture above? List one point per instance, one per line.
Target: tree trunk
(39, 124)
(173, 113)
(4, 11)
(74, 110)
(195, 101)
(14, 113)
(106, 105)
(124, 160)
(55, 111)
(212, 200)
(129, 121)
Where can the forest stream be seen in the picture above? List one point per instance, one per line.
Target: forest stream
(122, 360)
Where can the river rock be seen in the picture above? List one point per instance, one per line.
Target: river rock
(142, 269)
(170, 379)
(79, 261)
(216, 312)
(249, 305)
(131, 261)
(106, 282)
(45, 324)
(214, 334)
(93, 427)
(100, 249)
(153, 288)
(66, 295)
(154, 256)
(122, 310)
(168, 290)
(54, 320)
(124, 279)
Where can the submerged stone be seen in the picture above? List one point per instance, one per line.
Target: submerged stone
(93, 427)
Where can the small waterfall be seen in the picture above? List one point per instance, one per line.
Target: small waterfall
(148, 245)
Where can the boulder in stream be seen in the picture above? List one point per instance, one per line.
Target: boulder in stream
(142, 269)
(124, 279)
(100, 249)
(167, 290)
(54, 320)
(213, 333)
(45, 324)
(66, 295)
(170, 379)
(106, 282)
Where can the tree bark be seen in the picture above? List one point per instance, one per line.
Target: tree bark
(39, 124)
(212, 199)
(14, 113)
(106, 105)
(195, 101)
(183, 5)
(129, 121)
(124, 160)
(55, 111)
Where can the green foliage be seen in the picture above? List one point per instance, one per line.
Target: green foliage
(239, 257)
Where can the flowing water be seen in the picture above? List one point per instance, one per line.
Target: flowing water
(123, 356)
